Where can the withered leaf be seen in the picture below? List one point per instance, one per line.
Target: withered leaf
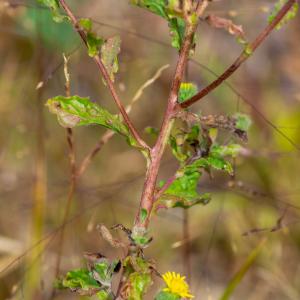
(228, 25)
(105, 233)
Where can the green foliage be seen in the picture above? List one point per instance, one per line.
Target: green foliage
(157, 7)
(96, 280)
(166, 296)
(289, 16)
(231, 150)
(140, 238)
(93, 44)
(186, 91)
(243, 122)
(103, 295)
(194, 149)
(53, 5)
(177, 29)
(183, 192)
(85, 24)
(183, 141)
(138, 277)
(212, 161)
(77, 111)
(80, 278)
(108, 48)
(103, 271)
(172, 13)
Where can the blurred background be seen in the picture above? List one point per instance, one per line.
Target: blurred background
(261, 203)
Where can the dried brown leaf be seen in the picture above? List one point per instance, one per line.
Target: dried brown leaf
(228, 25)
(105, 233)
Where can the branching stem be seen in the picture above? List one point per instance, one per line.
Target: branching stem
(243, 56)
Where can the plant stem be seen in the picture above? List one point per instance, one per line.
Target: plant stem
(73, 177)
(141, 224)
(105, 75)
(243, 56)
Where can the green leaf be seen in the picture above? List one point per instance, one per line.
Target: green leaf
(109, 55)
(77, 111)
(104, 295)
(138, 277)
(85, 24)
(139, 284)
(80, 278)
(104, 270)
(186, 91)
(157, 7)
(183, 192)
(184, 140)
(170, 11)
(141, 240)
(94, 43)
(291, 14)
(53, 5)
(243, 122)
(231, 150)
(166, 296)
(212, 161)
(177, 30)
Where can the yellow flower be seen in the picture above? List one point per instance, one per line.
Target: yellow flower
(177, 285)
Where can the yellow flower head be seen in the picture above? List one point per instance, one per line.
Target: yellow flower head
(177, 285)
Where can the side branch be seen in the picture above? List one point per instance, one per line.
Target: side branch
(105, 75)
(243, 56)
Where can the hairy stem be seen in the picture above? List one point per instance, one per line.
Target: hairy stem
(156, 153)
(243, 56)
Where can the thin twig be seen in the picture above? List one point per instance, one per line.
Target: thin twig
(243, 56)
(105, 75)
(73, 179)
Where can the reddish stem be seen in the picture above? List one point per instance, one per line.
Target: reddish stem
(156, 153)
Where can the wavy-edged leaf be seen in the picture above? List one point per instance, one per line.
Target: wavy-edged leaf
(183, 191)
(212, 161)
(77, 111)
(80, 279)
